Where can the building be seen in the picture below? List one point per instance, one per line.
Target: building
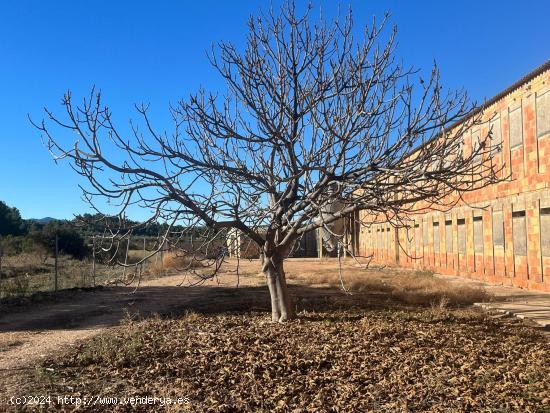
(501, 233)
(240, 245)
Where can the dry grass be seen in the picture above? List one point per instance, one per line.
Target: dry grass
(24, 263)
(28, 273)
(173, 261)
(423, 289)
(417, 288)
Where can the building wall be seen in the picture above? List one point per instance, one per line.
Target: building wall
(241, 246)
(501, 233)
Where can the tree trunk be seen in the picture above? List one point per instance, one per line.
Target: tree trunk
(282, 306)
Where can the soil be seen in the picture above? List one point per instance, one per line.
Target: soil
(29, 334)
(32, 333)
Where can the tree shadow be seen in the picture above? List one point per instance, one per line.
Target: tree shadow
(108, 307)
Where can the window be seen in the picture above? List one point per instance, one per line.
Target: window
(545, 231)
(436, 236)
(461, 236)
(478, 234)
(449, 239)
(519, 233)
(496, 136)
(498, 229)
(516, 128)
(543, 114)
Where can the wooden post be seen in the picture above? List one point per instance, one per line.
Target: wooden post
(126, 258)
(56, 259)
(162, 260)
(1, 253)
(93, 259)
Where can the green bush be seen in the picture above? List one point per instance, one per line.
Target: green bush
(70, 241)
(15, 245)
(10, 221)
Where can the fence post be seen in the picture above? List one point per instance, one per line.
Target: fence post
(93, 259)
(162, 261)
(126, 258)
(1, 253)
(156, 259)
(56, 258)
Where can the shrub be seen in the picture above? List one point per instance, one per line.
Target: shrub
(416, 288)
(15, 245)
(174, 261)
(70, 241)
(14, 287)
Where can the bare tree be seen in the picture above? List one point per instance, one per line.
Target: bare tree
(314, 126)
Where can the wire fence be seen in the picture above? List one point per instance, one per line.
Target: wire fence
(26, 273)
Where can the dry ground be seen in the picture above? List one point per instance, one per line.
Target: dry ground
(400, 342)
(30, 273)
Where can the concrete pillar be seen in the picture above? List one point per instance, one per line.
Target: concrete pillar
(488, 248)
(508, 239)
(470, 254)
(534, 255)
(456, 260)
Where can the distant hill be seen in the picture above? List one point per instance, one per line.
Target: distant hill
(44, 220)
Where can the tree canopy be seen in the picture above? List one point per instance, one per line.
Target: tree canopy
(10, 220)
(313, 126)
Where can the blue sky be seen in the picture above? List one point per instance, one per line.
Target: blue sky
(154, 52)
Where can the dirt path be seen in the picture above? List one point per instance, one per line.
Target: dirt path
(30, 334)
